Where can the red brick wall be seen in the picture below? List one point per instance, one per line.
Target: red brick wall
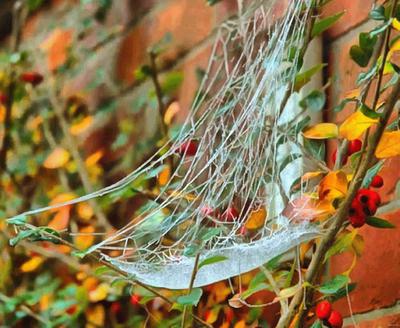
(377, 274)
(191, 23)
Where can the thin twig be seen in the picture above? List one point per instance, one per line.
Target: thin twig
(192, 278)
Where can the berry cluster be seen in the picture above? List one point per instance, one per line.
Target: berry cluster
(330, 317)
(365, 203)
(353, 147)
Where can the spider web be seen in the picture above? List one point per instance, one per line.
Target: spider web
(248, 157)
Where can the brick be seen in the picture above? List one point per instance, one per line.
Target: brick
(392, 321)
(189, 22)
(356, 12)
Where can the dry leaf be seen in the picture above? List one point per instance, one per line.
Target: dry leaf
(58, 158)
(389, 145)
(60, 221)
(333, 185)
(32, 264)
(85, 240)
(355, 125)
(256, 219)
(235, 302)
(56, 46)
(81, 126)
(322, 131)
(94, 158)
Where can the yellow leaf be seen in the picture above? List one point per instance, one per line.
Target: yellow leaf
(333, 185)
(58, 158)
(256, 219)
(171, 111)
(164, 176)
(100, 293)
(389, 145)
(81, 126)
(32, 264)
(355, 125)
(85, 211)
(288, 292)
(322, 131)
(396, 24)
(86, 239)
(240, 324)
(94, 158)
(95, 316)
(56, 46)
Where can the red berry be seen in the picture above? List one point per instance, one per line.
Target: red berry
(335, 320)
(72, 309)
(115, 307)
(323, 310)
(188, 148)
(3, 98)
(230, 214)
(206, 210)
(33, 78)
(135, 299)
(377, 181)
(356, 208)
(357, 221)
(354, 146)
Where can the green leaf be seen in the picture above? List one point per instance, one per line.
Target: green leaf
(210, 233)
(102, 270)
(371, 174)
(323, 24)
(359, 56)
(315, 101)
(315, 147)
(334, 285)
(17, 220)
(369, 112)
(317, 324)
(343, 103)
(342, 292)
(341, 244)
(172, 82)
(378, 13)
(379, 223)
(191, 250)
(212, 260)
(142, 72)
(191, 299)
(247, 293)
(303, 78)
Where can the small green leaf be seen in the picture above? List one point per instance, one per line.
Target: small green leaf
(171, 82)
(369, 112)
(303, 78)
(371, 174)
(343, 104)
(191, 299)
(359, 56)
(315, 101)
(101, 270)
(17, 220)
(317, 324)
(379, 223)
(334, 285)
(210, 233)
(342, 244)
(212, 260)
(323, 24)
(378, 13)
(342, 292)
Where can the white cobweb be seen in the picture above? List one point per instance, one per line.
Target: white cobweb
(244, 135)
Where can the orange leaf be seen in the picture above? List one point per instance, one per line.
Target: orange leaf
(81, 126)
(164, 176)
(60, 221)
(56, 46)
(58, 158)
(322, 131)
(333, 185)
(240, 324)
(256, 219)
(355, 125)
(389, 145)
(85, 240)
(94, 158)
(32, 264)
(85, 211)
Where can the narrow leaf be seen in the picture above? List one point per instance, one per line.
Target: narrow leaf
(323, 24)
(379, 223)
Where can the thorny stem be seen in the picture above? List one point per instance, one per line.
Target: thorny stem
(326, 241)
(192, 278)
